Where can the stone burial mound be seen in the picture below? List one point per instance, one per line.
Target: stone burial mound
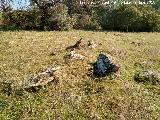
(104, 66)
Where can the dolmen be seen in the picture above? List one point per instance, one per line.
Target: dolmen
(103, 66)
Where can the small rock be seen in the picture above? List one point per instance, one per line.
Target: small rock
(74, 55)
(136, 43)
(91, 44)
(52, 54)
(75, 46)
(148, 77)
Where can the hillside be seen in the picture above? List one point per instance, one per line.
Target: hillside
(75, 95)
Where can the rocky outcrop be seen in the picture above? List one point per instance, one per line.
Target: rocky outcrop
(43, 78)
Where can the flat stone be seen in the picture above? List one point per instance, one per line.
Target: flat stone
(75, 56)
(43, 78)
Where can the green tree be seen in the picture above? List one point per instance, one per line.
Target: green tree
(44, 6)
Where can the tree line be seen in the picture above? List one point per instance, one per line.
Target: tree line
(74, 14)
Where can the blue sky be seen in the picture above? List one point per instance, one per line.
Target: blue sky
(23, 3)
(20, 3)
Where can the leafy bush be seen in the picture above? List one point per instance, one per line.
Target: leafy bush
(58, 18)
(156, 5)
(20, 19)
(86, 22)
(32, 20)
(150, 19)
(130, 18)
(1, 19)
(103, 14)
(123, 18)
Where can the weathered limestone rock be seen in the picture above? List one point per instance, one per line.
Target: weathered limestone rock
(43, 78)
(91, 44)
(148, 77)
(75, 46)
(76, 56)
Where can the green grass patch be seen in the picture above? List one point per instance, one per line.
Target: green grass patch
(77, 96)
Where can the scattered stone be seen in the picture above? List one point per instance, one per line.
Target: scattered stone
(74, 55)
(103, 66)
(148, 77)
(117, 34)
(120, 34)
(75, 46)
(79, 45)
(43, 78)
(136, 43)
(52, 54)
(91, 44)
(100, 43)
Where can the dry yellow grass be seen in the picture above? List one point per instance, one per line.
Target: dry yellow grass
(76, 95)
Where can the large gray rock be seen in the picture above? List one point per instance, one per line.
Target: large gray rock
(103, 66)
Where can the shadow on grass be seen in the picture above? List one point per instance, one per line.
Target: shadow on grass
(9, 28)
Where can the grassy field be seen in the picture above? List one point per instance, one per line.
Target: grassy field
(76, 96)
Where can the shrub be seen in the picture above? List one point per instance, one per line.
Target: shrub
(123, 18)
(32, 20)
(1, 18)
(59, 19)
(14, 19)
(19, 19)
(130, 18)
(87, 22)
(150, 19)
(56, 19)
(156, 5)
(104, 14)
